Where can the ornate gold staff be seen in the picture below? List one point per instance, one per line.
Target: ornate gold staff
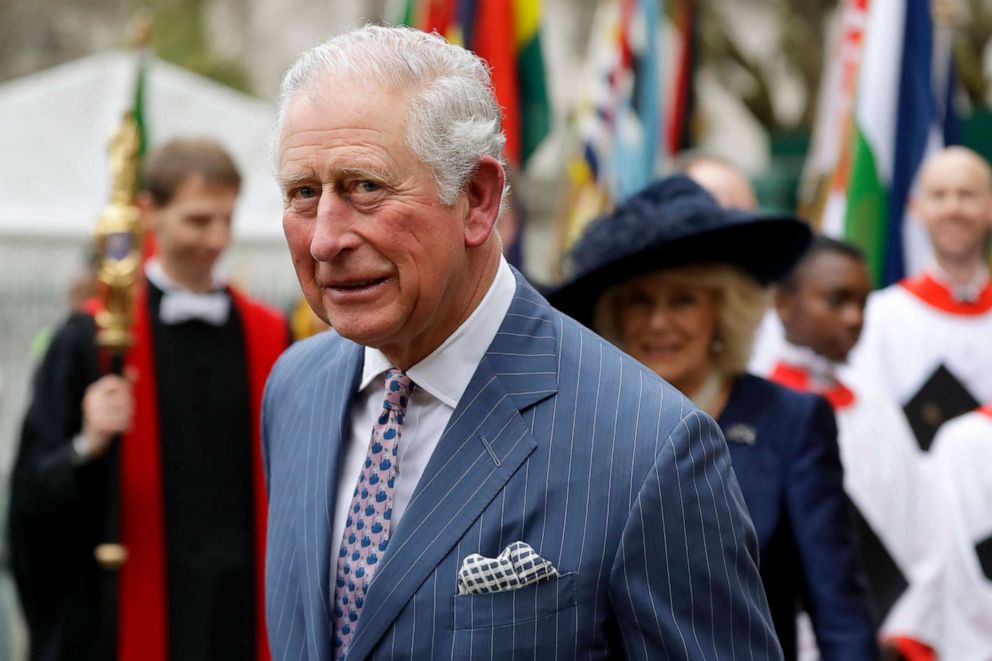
(118, 238)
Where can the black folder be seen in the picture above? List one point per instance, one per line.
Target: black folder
(939, 399)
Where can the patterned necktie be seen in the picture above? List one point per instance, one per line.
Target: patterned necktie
(366, 531)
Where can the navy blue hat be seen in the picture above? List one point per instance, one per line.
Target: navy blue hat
(674, 222)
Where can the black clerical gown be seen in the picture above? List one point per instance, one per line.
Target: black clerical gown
(205, 424)
(205, 432)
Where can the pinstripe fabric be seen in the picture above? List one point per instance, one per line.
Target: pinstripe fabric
(560, 441)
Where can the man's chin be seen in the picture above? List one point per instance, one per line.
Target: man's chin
(352, 329)
(959, 245)
(837, 354)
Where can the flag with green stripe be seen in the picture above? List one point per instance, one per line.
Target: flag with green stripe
(902, 112)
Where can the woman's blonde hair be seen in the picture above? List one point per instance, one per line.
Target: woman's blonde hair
(741, 303)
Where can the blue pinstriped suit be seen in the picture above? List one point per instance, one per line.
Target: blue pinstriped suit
(560, 441)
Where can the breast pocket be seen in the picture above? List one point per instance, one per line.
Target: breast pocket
(514, 608)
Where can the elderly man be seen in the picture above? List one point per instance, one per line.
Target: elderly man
(527, 490)
(925, 340)
(191, 501)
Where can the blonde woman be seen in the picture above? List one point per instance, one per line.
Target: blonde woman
(677, 282)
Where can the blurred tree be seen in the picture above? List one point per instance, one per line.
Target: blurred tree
(38, 34)
(797, 50)
(973, 35)
(180, 36)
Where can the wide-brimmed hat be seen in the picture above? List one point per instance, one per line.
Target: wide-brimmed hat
(674, 222)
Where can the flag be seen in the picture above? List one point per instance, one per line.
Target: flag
(683, 103)
(826, 173)
(618, 116)
(639, 123)
(138, 107)
(495, 43)
(901, 113)
(507, 35)
(535, 107)
(138, 112)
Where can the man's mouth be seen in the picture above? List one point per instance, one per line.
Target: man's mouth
(357, 285)
(355, 291)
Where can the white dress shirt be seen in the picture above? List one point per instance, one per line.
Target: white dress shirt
(180, 304)
(440, 380)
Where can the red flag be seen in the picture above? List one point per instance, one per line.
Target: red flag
(439, 16)
(680, 116)
(495, 43)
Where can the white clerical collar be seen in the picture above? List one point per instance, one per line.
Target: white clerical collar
(159, 278)
(822, 371)
(967, 292)
(446, 372)
(179, 304)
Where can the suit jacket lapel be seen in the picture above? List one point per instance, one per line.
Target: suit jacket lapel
(336, 386)
(484, 444)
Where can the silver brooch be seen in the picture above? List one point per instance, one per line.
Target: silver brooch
(742, 433)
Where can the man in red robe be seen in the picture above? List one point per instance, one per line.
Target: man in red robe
(180, 427)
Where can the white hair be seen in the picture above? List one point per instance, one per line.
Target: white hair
(453, 117)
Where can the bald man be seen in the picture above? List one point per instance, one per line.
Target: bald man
(927, 338)
(944, 317)
(721, 179)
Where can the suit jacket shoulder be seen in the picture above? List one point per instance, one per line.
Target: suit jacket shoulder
(322, 362)
(596, 366)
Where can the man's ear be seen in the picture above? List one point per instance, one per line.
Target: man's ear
(148, 210)
(484, 192)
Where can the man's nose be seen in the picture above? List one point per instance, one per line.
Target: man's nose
(333, 226)
(219, 234)
(854, 317)
(953, 204)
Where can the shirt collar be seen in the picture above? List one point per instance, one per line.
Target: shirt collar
(446, 372)
(822, 371)
(180, 305)
(159, 278)
(805, 370)
(962, 293)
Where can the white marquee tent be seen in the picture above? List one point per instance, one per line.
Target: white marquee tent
(55, 126)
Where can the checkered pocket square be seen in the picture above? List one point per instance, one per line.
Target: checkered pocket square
(516, 567)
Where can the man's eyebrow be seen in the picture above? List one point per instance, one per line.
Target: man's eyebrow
(289, 180)
(365, 173)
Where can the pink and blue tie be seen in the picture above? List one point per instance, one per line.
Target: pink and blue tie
(366, 530)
